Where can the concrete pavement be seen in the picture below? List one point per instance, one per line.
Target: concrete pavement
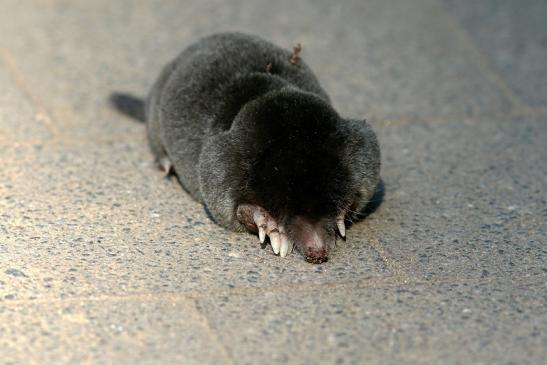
(102, 260)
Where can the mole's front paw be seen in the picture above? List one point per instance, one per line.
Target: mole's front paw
(256, 218)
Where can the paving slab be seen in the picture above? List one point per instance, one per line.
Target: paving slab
(513, 35)
(377, 67)
(103, 260)
(465, 198)
(107, 332)
(89, 219)
(20, 122)
(484, 322)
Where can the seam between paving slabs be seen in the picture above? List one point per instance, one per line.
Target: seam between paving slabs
(189, 303)
(480, 59)
(42, 113)
(213, 334)
(391, 282)
(392, 264)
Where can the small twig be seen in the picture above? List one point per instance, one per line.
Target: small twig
(295, 56)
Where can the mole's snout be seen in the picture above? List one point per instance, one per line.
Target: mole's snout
(310, 238)
(316, 256)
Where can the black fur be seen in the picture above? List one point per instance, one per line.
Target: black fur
(240, 131)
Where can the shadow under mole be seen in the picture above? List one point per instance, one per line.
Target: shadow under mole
(374, 203)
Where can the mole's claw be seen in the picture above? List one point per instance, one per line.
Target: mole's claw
(275, 240)
(260, 220)
(256, 218)
(261, 233)
(341, 226)
(165, 165)
(284, 249)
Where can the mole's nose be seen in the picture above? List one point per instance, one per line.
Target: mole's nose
(316, 255)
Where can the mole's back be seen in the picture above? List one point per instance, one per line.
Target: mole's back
(199, 93)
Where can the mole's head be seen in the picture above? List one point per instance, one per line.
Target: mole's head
(305, 168)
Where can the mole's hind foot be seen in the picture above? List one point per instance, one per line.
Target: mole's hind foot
(165, 165)
(259, 220)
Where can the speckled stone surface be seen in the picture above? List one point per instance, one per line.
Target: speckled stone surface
(465, 198)
(438, 323)
(20, 122)
(513, 37)
(361, 65)
(108, 222)
(107, 330)
(103, 260)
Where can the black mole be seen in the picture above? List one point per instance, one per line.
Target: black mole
(252, 135)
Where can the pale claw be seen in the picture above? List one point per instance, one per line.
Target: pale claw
(285, 244)
(275, 241)
(261, 234)
(166, 165)
(267, 226)
(260, 221)
(340, 224)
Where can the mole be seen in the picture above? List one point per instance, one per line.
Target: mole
(251, 134)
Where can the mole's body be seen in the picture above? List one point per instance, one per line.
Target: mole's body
(253, 137)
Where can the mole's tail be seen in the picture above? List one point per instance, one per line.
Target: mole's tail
(129, 105)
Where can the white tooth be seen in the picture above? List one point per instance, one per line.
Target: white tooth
(275, 241)
(284, 246)
(261, 234)
(341, 226)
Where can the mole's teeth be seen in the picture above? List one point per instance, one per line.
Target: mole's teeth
(275, 241)
(284, 249)
(341, 226)
(261, 234)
